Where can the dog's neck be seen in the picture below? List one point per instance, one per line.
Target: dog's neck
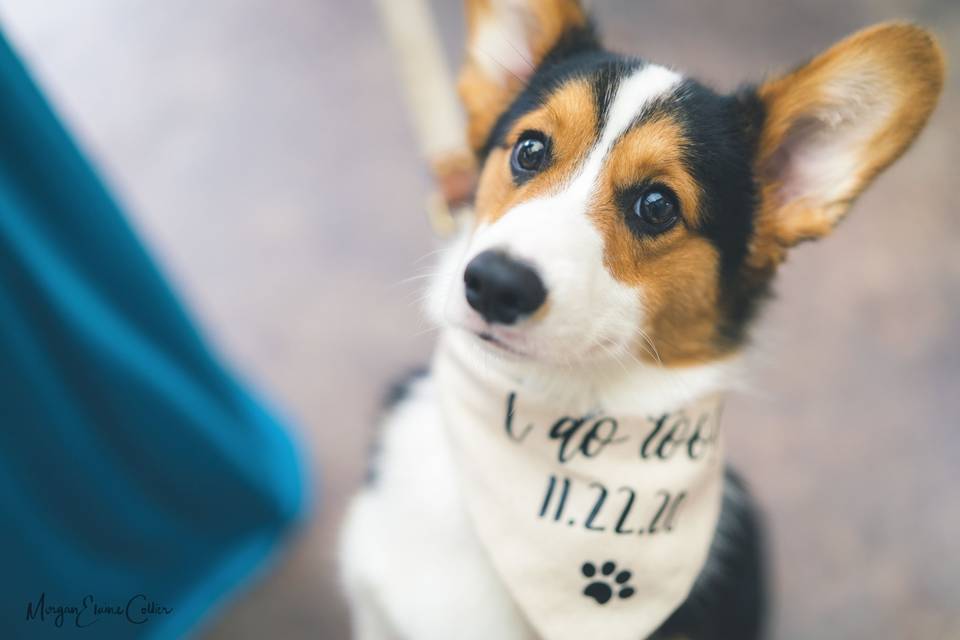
(617, 386)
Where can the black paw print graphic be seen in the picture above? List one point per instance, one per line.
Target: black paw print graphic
(603, 587)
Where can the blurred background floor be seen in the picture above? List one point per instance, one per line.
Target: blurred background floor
(264, 152)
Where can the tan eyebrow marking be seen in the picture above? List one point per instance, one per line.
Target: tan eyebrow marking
(653, 151)
(569, 118)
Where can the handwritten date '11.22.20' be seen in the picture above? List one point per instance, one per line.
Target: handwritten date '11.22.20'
(609, 514)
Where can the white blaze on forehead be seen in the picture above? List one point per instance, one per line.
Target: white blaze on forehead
(634, 94)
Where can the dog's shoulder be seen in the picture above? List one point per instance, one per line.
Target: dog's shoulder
(400, 389)
(398, 392)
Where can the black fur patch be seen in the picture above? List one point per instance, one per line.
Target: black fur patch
(398, 391)
(719, 155)
(729, 598)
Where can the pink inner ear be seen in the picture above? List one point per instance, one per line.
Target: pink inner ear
(822, 158)
(781, 166)
(501, 46)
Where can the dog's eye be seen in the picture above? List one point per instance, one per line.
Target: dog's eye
(656, 210)
(530, 155)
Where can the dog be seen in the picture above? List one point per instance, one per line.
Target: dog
(627, 226)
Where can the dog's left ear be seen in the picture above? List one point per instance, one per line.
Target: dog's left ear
(506, 41)
(830, 126)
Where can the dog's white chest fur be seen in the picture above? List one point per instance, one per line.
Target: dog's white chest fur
(412, 565)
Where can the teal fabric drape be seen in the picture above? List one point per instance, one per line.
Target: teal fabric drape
(133, 466)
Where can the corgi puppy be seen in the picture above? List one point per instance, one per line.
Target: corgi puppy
(558, 471)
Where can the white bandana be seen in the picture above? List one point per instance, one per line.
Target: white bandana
(598, 524)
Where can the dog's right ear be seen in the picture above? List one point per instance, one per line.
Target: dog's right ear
(506, 41)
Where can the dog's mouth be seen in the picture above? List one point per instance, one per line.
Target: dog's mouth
(499, 344)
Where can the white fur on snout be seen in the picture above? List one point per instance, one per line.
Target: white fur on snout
(589, 311)
(586, 305)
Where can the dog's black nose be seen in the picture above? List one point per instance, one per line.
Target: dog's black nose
(502, 289)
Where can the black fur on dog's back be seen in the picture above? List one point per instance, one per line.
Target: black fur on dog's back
(729, 598)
